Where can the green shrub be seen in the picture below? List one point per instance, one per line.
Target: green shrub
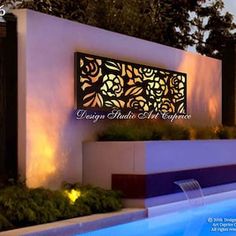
(95, 199)
(125, 132)
(218, 132)
(49, 205)
(136, 130)
(205, 133)
(226, 132)
(99, 200)
(4, 223)
(16, 205)
(22, 206)
(170, 132)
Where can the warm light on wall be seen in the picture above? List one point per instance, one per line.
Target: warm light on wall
(213, 107)
(43, 149)
(42, 146)
(48, 151)
(204, 89)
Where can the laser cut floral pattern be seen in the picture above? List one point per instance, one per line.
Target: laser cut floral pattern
(112, 85)
(107, 83)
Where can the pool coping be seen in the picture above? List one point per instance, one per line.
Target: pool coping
(80, 224)
(184, 205)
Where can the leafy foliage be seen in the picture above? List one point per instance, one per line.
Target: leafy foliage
(226, 132)
(21, 206)
(135, 131)
(97, 200)
(179, 23)
(4, 223)
(214, 29)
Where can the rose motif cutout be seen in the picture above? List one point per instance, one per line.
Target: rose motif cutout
(112, 85)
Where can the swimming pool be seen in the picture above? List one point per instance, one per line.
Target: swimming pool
(212, 219)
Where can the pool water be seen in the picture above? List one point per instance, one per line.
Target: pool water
(213, 219)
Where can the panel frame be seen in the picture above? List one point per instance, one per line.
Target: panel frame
(79, 92)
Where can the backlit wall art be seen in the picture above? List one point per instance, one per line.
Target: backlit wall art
(108, 83)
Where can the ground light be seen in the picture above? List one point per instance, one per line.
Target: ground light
(73, 195)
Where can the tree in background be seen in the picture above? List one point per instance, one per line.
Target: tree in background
(179, 23)
(214, 29)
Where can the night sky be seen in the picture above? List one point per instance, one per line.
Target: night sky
(230, 6)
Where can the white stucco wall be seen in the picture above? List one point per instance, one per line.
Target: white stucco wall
(151, 157)
(50, 149)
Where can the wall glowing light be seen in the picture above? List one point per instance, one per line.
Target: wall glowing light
(108, 83)
(42, 146)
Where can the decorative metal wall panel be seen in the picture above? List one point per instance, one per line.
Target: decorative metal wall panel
(109, 83)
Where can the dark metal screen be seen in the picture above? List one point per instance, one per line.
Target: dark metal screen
(8, 98)
(109, 83)
(229, 84)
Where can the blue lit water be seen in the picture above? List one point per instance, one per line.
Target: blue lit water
(213, 219)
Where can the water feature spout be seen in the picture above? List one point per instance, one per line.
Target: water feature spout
(192, 191)
(194, 194)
